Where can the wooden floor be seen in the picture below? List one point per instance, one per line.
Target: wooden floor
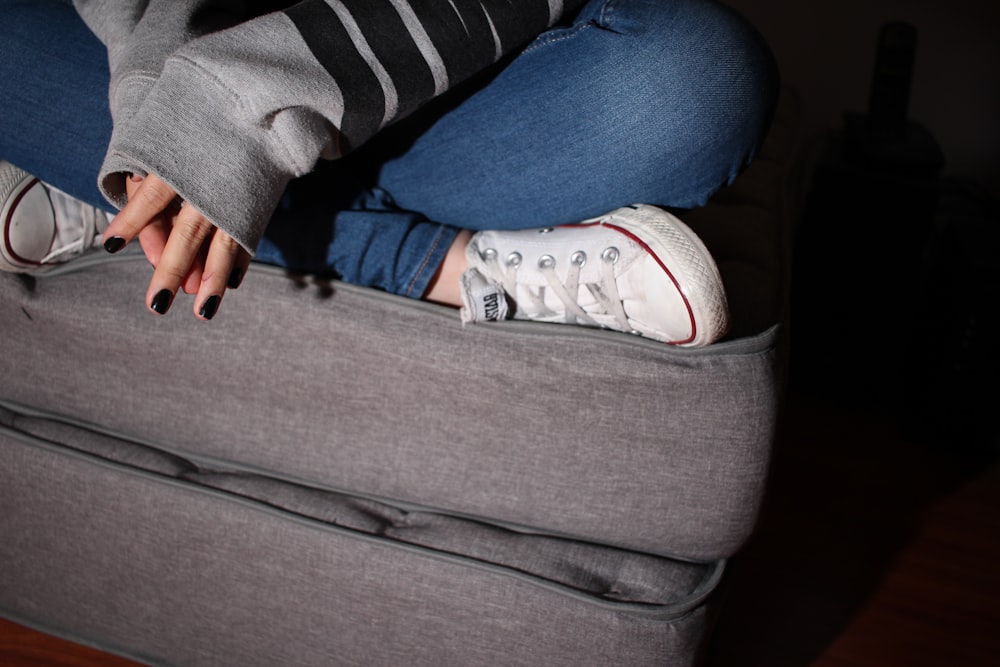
(874, 550)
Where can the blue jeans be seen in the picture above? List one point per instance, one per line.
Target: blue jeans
(655, 101)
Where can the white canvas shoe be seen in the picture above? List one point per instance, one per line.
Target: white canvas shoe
(638, 270)
(43, 226)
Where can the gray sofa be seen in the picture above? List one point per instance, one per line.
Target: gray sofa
(329, 475)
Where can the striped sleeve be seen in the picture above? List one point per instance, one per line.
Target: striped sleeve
(388, 57)
(235, 114)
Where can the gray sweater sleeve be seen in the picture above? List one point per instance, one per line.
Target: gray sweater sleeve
(138, 39)
(228, 116)
(140, 36)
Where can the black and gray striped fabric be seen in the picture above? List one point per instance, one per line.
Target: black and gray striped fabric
(228, 104)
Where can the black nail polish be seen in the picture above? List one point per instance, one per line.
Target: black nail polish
(114, 244)
(210, 307)
(235, 278)
(162, 300)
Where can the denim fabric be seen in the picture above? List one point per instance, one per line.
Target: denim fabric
(55, 121)
(633, 101)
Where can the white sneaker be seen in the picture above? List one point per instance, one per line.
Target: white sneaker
(43, 226)
(637, 269)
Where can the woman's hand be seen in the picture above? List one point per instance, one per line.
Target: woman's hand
(186, 250)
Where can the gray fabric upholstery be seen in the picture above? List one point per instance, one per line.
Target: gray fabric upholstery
(586, 433)
(170, 572)
(599, 571)
(329, 475)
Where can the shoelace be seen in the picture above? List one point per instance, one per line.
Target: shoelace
(79, 245)
(605, 291)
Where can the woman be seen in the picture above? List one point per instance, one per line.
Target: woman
(442, 118)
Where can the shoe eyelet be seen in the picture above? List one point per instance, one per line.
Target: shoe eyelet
(514, 259)
(611, 255)
(546, 230)
(489, 253)
(579, 258)
(546, 262)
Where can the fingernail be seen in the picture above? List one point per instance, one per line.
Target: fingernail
(235, 278)
(135, 178)
(162, 300)
(210, 307)
(114, 244)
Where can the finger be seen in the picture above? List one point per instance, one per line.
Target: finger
(239, 271)
(180, 255)
(153, 239)
(149, 199)
(132, 184)
(224, 255)
(192, 283)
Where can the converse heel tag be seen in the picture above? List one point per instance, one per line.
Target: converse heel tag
(484, 300)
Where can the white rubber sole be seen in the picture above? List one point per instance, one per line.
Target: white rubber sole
(14, 186)
(685, 259)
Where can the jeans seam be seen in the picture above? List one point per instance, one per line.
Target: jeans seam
(556, 36)
(423, 265)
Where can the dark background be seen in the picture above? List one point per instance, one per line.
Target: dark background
(826, 50)
(880, 535)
